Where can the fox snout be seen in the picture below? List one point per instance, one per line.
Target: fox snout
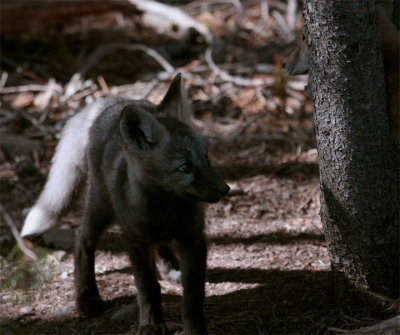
(224, 190)
(213, 187)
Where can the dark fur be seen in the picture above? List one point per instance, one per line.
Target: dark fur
(149, 174)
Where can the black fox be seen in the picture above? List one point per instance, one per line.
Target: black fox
(148, 170)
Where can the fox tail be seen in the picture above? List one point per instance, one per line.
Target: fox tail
(67, 172)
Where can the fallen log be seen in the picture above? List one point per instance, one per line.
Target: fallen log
(20, 16)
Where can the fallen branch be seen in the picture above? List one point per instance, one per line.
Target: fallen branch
(29, 253)
(173, 15)
(387, 327)
(27, 16)
(30, 88)
(108, 48)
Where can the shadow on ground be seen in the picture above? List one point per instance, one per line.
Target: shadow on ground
(283, 302)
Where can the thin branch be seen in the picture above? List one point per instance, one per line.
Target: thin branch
(105, 49)
(28, 117)
(239, 16)
(240, 81)
(3, 79)
(264, 16)
(247, 124)
(286, 32)
(291, 16)
(29, 253)
(30, 88)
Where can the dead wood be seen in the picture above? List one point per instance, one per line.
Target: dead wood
(387, 327)
(173, 15)
(26, 16)
(28, 252)
(18, 145)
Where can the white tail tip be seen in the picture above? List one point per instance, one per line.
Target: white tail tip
(37, 221)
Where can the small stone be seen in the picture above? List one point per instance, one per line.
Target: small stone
(64, 309)
(127, 312)
(26, 310)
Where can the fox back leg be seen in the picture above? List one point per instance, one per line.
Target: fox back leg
(96, 219)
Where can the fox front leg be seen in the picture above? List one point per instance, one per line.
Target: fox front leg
(149, 292)
(193, 266)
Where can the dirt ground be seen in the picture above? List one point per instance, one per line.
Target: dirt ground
(268, 264)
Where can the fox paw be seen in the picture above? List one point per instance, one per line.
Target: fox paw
(90, 306)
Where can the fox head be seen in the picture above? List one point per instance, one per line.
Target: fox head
(166, 154)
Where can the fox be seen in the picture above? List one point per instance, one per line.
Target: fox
(146, 169)
(298, 63)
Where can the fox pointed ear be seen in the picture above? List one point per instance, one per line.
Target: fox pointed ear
(140, 130)
(175, 103)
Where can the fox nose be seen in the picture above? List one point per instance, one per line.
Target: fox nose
(224, 189)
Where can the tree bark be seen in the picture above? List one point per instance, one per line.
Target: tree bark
(358, 163)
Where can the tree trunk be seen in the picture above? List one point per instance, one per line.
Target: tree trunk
(358, 168)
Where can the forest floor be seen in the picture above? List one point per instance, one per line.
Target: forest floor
(268, 264)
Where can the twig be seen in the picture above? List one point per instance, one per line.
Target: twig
(30, 75)
(75, 85)
(108, 48)
(82, 94)
(3, 79)
(388, 327)
(338, 330)
(150, 88)
(29, 253)
(29, 88)
(103, 84)
(379, 296)
(247, 124)
(240, 81)
(46, 98)
(138, 90)
(287, 34)
(29, 118)
(348, 317)
(308, 199)
(239, 16)
(291, 16)
(264, 16)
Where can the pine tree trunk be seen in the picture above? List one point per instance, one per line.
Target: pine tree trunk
(358, 168)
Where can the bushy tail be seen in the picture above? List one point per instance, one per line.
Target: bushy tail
(67, 172)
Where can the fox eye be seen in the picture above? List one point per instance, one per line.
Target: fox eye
(185, 168)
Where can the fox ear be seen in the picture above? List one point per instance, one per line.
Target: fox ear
(175, 103)
(140, 130)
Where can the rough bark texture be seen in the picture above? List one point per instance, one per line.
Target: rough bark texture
(358, 174)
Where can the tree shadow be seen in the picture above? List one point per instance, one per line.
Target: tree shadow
(279, 302)
(275, 238)
(113, 241)
(283, 302)
(289, 170)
